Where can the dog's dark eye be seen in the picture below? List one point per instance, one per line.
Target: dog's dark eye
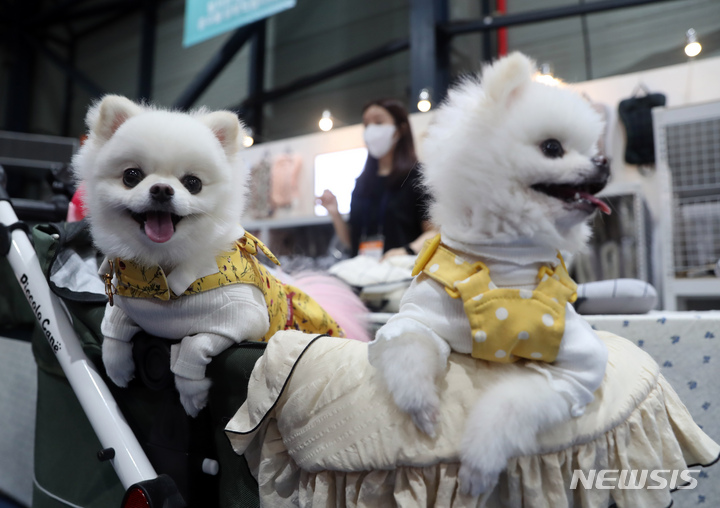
(192, 183)
(132, 177)
(552, 148)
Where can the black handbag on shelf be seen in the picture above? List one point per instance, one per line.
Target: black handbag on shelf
(635, 114)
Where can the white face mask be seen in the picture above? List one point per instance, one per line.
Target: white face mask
(379, 139)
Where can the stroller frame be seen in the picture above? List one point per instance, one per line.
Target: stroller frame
(120, 445)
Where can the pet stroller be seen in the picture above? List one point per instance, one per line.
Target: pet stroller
(97, 445)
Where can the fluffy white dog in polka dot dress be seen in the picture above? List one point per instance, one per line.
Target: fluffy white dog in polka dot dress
(513, 169)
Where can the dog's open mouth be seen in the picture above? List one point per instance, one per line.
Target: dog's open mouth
(579, 196)
(158, 226)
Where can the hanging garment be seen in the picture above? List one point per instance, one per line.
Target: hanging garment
(636, 116)
(259, 204)
(285, 174)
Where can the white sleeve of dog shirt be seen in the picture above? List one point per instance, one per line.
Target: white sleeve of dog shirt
(241, 315)
(580, 365)
(117, 325)
(427, 311)
(191, 356)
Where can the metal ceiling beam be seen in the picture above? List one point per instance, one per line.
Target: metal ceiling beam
(216, 64)
(77, 75)
(256, 77)
(429, 49)
(98, 9)
(105, 22)
(62, 41)
(59, 9)
(374, 55)
(487, 44)
(69, 95)
(441, 34)
(20, 71)
(493, 23)
(147, 50)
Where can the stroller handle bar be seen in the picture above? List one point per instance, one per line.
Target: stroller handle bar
(4, 196)
(130, 462)
(31, 210)
(28, 209)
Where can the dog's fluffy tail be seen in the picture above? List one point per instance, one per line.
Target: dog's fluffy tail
(338, 300)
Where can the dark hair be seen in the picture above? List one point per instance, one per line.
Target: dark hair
(404, 158)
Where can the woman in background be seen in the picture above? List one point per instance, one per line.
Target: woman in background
(388, 206)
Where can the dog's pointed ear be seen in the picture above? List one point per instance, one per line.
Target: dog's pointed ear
(106, 117)
(505, 78)
(226, 127)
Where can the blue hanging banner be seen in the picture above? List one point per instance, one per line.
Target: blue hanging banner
(205, 19)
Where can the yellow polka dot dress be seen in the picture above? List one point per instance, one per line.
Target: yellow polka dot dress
(506, 324)
(454, 305)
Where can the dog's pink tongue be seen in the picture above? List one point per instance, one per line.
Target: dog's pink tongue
(602, 205)
(159, 226)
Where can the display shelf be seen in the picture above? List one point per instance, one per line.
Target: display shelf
(620, 244)
(264, 226)
(687, 140)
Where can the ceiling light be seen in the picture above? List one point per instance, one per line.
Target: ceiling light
(693, 47)
(424, 103)
(248, 139)
(545, 75)
(326, 122)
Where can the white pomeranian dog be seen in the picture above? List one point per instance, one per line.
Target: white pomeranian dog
(513, 169)
(164, 194)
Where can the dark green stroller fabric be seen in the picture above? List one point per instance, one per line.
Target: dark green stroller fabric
(67, 469)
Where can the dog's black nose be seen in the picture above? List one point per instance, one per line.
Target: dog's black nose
(602, 164)
(162, 192)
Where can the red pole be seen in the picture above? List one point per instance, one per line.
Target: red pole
(502, 41)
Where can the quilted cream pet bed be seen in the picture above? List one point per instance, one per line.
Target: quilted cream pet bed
(319, 429)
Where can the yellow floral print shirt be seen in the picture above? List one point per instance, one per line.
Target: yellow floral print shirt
(288, 307)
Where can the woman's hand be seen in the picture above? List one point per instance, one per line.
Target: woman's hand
(428, 233)
(415, 246)
(329, 201)
(398, 251)
(342, 229)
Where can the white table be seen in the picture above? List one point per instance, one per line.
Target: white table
(686, 345)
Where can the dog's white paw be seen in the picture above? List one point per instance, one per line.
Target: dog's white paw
(426, 415)
(503, 424)
(193, 393)
(482, 460)
(490, 439)
(118, 361)
(415, 393)
(417, 396)
(408, 368)
(475, 481)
